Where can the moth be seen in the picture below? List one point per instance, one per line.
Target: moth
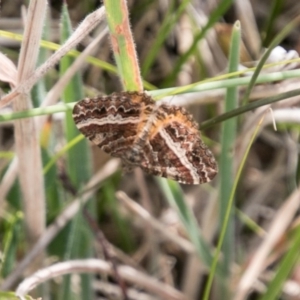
(162, 140)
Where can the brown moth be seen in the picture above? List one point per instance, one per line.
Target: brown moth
(161, 140)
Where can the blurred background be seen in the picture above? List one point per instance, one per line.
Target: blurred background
(269, 177)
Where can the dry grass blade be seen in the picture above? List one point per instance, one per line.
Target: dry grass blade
(129, 274)
(284, 115)
(251, 32)
(8, 71)
(193, 276)
(26, 137)
(60, 222)
(154, 224)
(87, 25)
(112, 290)
(278, 227)
(53, 95)
(163, 232)
(249, 125)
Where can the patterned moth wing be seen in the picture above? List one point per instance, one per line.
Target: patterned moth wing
(175, 150)
(162, 140)
(112, 122)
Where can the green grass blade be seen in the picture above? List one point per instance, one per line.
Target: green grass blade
(175, 198)
(228, 137)
(63, 151)
(286, 266)
(275, 11)
(249, 223)
(9, 155)
(249, 107)
(11, 296)
(227, 215)
(10, 240)
(78, 170)
(219, 81)
(204, 125)
(123, 45)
